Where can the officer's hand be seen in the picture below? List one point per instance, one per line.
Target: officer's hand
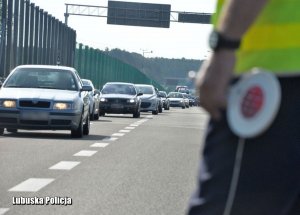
(213, 80)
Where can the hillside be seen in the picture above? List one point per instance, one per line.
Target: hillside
(168, 72)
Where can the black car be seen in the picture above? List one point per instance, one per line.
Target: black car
(120, 98)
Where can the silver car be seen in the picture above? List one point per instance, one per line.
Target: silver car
(150, 99)
(94, 96)
(44, 97)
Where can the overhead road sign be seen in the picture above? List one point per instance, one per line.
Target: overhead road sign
(138, 14)
(194, 18)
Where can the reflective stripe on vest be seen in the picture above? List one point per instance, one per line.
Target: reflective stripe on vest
(273, 41)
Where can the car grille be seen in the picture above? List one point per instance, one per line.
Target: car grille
(120, 101)
(34, 104)
(60, 122)
(34, 122)
(145, 104)
(8, 120)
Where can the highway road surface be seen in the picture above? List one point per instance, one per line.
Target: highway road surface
(125, 166)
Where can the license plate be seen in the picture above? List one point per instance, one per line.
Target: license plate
(34, 115)
(116, 106)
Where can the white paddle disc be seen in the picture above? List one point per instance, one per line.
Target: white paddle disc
(253, 103)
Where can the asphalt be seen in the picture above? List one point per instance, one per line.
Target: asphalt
(150, 170)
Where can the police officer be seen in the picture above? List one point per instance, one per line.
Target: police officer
(248, 34)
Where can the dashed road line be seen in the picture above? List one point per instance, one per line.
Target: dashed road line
(99, 145)
(32, 185)
(130, 128)
(118, 134)
(134, 125)
(124, 131)
(85, 153)
(65, 165)
(3, 210)
(111, 139)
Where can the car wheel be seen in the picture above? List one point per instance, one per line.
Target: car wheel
(155, 112)
(78, 133)
(137, 114)
(102, 113)
(1, 131)
(183, 107)
(160, 109)
(12, 130)
(86, 126)
(96, 116)
(92, 114)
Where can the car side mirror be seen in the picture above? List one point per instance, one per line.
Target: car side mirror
(86, 88)
(140, 94)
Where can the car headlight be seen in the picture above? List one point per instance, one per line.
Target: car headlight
(8, 104)
(103, 100)
(131, 100)
(62, 106)
(181, 101)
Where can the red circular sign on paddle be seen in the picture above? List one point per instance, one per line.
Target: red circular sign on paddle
(252, 102)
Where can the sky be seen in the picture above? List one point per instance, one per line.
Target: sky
(181, 40)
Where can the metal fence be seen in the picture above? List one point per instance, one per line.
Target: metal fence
(29, 35)
(101, 68)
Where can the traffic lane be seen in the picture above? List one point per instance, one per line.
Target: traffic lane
(151, 170)
(29, 153)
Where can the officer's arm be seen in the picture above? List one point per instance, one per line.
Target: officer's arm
(215, 75)
(238, 15)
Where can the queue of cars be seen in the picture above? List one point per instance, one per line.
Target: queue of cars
(37, 97)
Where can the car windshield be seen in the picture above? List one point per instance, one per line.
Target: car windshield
(119, 89)
(42, 78)
(146, 89)
(175, 95)
(162, 94)
(87, 82)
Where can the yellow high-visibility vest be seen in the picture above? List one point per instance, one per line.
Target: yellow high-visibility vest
(273, 41)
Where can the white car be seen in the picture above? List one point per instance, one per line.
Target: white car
(44, 98)
(176, 100)
(150, 99)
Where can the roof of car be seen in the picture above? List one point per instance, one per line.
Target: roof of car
(46, 67)
(144, 85)
(119, 83)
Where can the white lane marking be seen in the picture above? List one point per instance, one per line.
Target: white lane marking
(65, 165)
(149, 117)
(3, 210)
(99, 145)
(134, 125)
(118, 135)
(32, 185)
(124, 131)
(85, 153)
(110, 139)
(91, 123)
(130, 128)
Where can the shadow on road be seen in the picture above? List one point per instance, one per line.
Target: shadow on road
(57, 136)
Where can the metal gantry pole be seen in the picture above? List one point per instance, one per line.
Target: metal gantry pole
(26, 33)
